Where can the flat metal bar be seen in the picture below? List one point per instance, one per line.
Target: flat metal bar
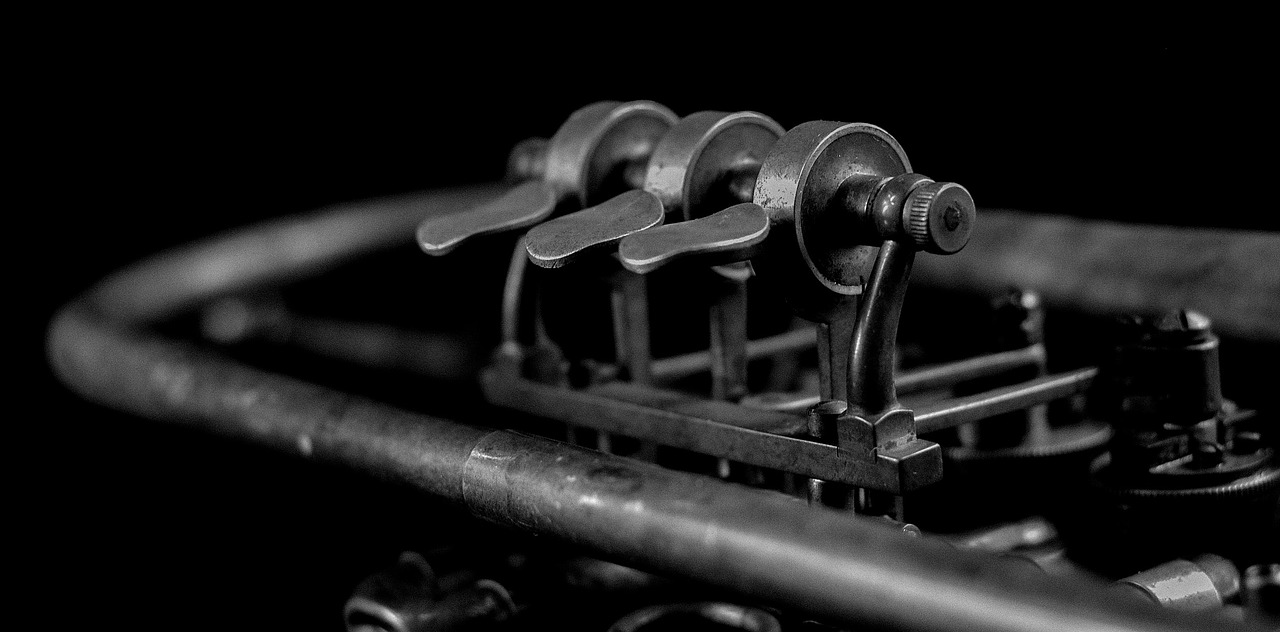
(835, 345)
(936, 376)
(728, 347)
(629, 298)
(718, 429)
(675, 367)
(953, 373)
(963, 410)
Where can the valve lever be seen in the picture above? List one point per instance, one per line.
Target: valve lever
(847, 215)
(599, 150)
(830, 212)
(734, 234)
(525, 205)
(569, 237)
(698, 166)
(858, 214)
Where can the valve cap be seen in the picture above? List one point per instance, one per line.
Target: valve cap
(939, 217)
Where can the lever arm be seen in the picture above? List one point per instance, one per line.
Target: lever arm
(871, 388)
(734, 234)
(525, 205)
(562, 240)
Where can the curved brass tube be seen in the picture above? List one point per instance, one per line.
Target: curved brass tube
(1105, 268)
(760, 544)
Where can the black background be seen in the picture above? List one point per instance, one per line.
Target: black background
(137, 141)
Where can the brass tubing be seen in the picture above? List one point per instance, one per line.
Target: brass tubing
(757, 543)
(760, 544)
(1109, 268)
(273, 252)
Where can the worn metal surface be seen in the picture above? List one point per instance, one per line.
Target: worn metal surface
(521, 207)
(824, 266)
(755, 437)
(562, 240)
(756, 543)
(734, 234)
(598, 141)
(1201, 584)
(697, 170)
(759, 544)
(693, 167)
(689, 175)
(587, 160)
(835, 340)
(870, 378)
(939, 216)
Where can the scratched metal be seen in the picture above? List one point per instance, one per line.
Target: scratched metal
(565, 239)
(759, 544)
(734, 234)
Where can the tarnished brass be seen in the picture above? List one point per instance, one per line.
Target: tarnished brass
(691, 173)
(700, 165)
(1201, 584)
(526, 204)
(733, 234)
(590, 158)
(849, 229)
(939, 217)
(694, 168)
(841, 190)
(562, 240)
(826, 264)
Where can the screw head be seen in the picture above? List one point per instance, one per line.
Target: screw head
(939, 217)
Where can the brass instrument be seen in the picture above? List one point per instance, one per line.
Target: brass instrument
(674, 358)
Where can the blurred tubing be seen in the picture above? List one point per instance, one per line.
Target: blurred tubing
(760, 544)
(1108, 268)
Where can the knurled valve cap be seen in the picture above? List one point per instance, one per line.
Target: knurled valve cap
(939, 217)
